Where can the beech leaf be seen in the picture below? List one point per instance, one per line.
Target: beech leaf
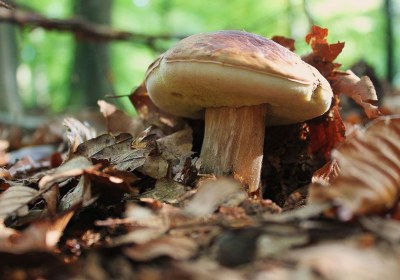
(118, 121)
(16, 198)
(69, 169)
(39, 236)
(178, 248)
(210, 195)
(361, 90)
(369, 177)
(77, 132)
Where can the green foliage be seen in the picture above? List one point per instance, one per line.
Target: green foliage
(47, 56)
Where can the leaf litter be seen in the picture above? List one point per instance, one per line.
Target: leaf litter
(127, 201)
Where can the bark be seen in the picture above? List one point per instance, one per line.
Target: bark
(388, 8)
(10, 100)
(91, 76)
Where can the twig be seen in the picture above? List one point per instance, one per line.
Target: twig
(81, 28)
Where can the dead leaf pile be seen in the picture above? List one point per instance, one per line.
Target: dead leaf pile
(368, 179)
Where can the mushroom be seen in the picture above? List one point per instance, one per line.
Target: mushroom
(240, 83)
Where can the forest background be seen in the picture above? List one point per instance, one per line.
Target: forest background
(49, 71)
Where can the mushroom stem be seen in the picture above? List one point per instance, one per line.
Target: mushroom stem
(233, 143)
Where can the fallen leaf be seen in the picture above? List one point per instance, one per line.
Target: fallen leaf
(210, 195)
(23, 166)
(388, 230)
(92, 147)
(339, 260)
(146, 225)
(317, 39)
(51, 197)
(151, 114)
(39, 236)
(80, 194)
(326, 133)
(16, 198)
(361, 90)
(166, 190)
(326, 174)
(118, 121)
(208, 269)
(177, 248)
(77, 133)
(176, 148)
(71, 168)
(155, 167)
(369, 177)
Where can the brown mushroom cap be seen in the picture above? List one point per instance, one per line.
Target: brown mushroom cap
(234, 69)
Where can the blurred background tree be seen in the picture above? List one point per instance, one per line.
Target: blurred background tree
(90, 77)
(57, 67)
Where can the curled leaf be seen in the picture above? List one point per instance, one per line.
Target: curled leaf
(369, 177)
(361, 90)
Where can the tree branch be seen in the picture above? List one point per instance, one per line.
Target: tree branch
(82, 29)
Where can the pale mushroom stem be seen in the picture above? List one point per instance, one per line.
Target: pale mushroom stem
(233, 143)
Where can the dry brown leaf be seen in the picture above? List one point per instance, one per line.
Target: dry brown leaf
(361, 90)
(166, 190)
(16, 198)
(22, 166)
(177, 148)
(210, 195)
(151, 114)
(339, 260)
(92, 147)
(369, 177)
(71, 168)
(178, 248)
(117, 121)
(39, 236)
(123, 153)
(81, 194)
(51, 198)
(77, 132)
(208, 269)
(146, 225)
(326, 174)
(110, 186)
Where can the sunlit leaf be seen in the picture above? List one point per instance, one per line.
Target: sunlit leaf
(369, 177)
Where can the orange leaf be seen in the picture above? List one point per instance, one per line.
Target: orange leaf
(286, 42)
(326, 132)
(317, 35)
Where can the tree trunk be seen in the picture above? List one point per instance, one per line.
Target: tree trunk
(10, 99)
(91, 76)
(388, 8)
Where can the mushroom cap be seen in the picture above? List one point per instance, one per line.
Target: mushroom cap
(234, 69)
